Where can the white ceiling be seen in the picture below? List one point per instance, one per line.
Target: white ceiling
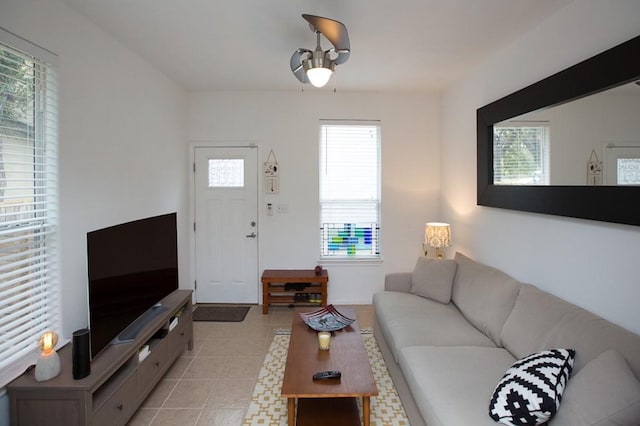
(405, 45)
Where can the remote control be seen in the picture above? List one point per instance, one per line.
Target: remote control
(324, 375)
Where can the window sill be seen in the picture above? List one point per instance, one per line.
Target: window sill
(346, 261)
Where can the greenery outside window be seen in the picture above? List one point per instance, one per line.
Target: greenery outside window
(521, 154)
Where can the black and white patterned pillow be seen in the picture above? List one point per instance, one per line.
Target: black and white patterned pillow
(531, 390)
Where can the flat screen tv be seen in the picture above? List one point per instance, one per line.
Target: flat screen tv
(131, 268)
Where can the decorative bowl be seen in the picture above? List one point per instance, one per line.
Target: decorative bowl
(326, 319)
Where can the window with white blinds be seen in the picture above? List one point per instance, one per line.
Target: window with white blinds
(29, 282)
(521, 154)
(350, 171)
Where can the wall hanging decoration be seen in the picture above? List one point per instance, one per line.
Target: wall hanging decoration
(594, 170)
(271, 174)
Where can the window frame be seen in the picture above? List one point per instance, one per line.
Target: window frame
(543, 152)
(38, 225)
(364, 230)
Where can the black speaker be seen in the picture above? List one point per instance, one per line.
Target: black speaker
(81, 354)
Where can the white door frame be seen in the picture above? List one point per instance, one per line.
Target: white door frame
(192, 202)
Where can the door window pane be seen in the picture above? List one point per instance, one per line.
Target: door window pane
(226, 172)
(628, 171)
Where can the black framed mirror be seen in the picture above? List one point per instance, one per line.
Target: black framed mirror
(619, 204)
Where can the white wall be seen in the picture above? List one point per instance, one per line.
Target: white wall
(122, 153)
(288, 124)
(593, 264)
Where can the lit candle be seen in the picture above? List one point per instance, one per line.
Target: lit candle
(324, 340)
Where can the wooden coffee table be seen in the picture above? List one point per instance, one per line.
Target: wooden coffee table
(327, 401)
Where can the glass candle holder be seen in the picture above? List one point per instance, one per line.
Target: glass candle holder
(324, 340)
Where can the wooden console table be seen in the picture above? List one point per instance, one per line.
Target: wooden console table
(300, 287)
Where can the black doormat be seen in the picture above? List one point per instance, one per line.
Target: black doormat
(220, 313)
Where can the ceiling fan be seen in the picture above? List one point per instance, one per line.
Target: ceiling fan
(317, 66)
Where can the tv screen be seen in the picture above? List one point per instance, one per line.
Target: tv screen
(131, 267)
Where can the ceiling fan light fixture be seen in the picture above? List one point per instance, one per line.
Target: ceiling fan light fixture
(317, 66)
(319, 76)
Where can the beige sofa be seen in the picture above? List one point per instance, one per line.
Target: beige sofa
(448, 338)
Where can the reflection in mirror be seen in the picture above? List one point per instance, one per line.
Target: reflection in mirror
(562, 145)
(555, 159)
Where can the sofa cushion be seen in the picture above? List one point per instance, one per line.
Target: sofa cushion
(531, 390)
(604, 392)
(409, 320)
(534, 315)
(540, 320)
(398, 281)
(590, 335)
(484, 295)
(452, 384)
(433, 278)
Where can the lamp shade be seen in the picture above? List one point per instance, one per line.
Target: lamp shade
(319, 76)
(437, 234)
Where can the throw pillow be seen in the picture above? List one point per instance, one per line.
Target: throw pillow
(531, 390)
(603, 392)
(433, 278)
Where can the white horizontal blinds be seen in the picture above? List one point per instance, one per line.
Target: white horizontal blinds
(350, 189)
(521, 154)
(29, 302)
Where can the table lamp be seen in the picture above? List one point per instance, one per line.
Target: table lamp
(48, 364)
(437, 235)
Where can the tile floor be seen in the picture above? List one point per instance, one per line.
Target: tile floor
(213, 383)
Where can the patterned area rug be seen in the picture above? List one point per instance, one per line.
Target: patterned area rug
(267, 407)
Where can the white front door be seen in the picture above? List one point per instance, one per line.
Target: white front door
(226, 228)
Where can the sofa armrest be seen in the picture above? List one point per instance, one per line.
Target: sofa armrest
(398, 281)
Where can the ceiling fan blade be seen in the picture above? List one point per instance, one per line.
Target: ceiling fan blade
(335, 32)
(296, 65)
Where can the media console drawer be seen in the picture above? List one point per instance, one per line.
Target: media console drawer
(119, 406)
(154, 365)
(181, 335)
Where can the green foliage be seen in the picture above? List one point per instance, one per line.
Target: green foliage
(513, 151)
(518, 161)
(16, 91)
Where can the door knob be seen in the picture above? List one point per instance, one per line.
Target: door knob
(251, 235)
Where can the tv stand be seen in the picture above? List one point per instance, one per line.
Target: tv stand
(119, 381)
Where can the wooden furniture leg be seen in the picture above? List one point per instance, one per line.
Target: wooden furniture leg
(366, 410)
(291, 411)
(265, 296)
